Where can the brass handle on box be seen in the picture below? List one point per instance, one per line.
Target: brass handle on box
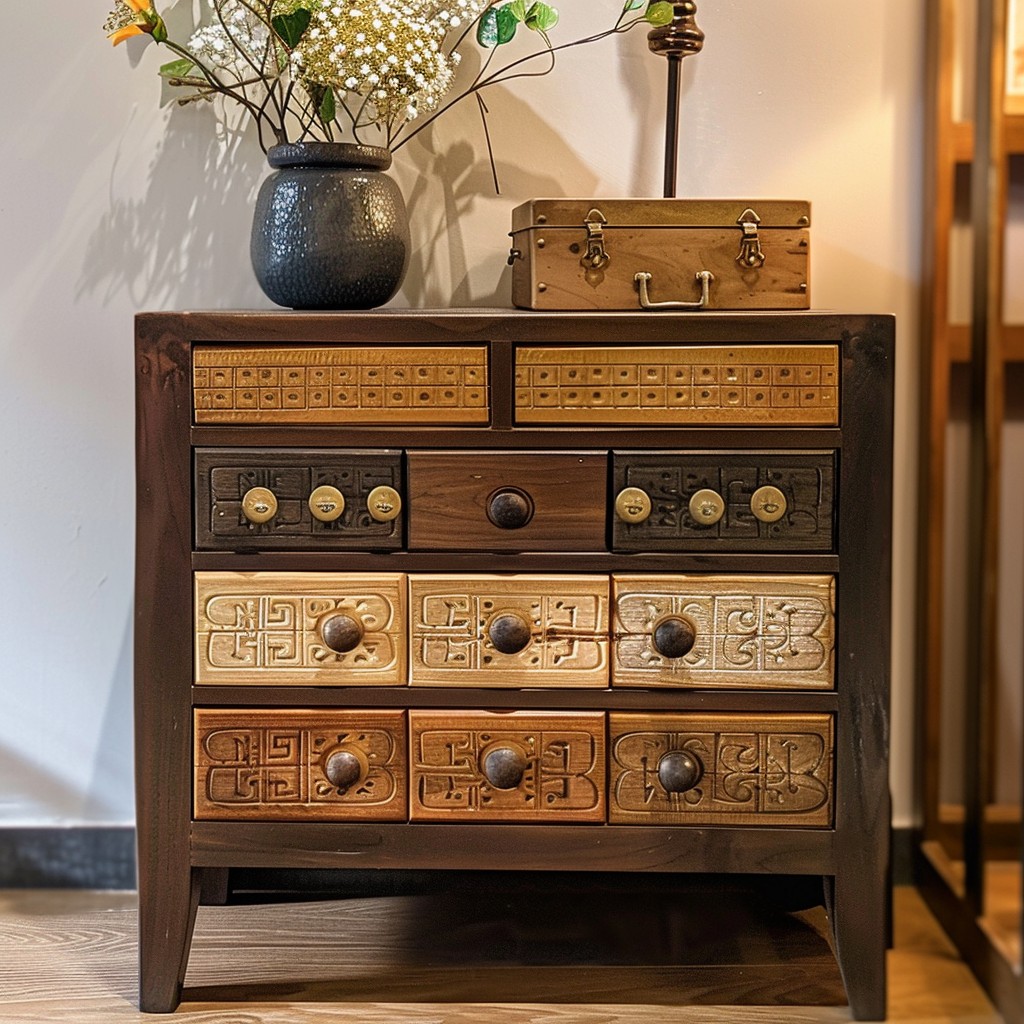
(704, 276)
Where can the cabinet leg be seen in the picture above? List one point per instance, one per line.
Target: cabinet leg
(166, 920)
(859, 915)
(215, 887)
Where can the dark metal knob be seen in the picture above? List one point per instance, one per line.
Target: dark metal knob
(341, 633)
(509, 509)
(679, 770)
(674, 636)
(503, 767)
(343, 768)
(509, 633)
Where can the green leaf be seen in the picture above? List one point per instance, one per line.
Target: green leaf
(327, 109)
(518, 8)
(542, 17)
(659, 13)
(290, 27)
(487, 29)
(633, 5)
(507, 24)
(176, 68)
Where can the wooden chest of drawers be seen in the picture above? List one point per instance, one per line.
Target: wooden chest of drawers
(486, 590)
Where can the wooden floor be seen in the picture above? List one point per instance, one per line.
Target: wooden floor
(70, 956)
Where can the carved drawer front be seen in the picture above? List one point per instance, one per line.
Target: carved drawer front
(288, 764)
(512, 631)
(519, 767)
(335, 384)
(740, 501)
(763, 632)
(282, 498)
(674, 384)
(307, 629)
(507, 501)
(697, 769)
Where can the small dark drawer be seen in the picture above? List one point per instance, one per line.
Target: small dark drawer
(284, 498)
(732, 501)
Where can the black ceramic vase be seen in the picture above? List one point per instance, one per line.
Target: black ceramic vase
(330, 229)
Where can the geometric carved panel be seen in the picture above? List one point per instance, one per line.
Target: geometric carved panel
(273, 765)
(273, 628)
(562, 763)
(697, 384)
(749, 769)
(670, 480)
(766, 632)
(335, 384)
(454, 619)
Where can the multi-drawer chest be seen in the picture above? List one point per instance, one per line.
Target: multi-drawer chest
(506, 590)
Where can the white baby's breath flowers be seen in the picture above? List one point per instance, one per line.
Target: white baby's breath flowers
(235, 40)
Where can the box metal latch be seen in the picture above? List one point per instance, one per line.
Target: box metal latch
(750, 254)
(595, 257)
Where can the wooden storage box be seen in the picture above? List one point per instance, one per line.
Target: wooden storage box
(625, 254)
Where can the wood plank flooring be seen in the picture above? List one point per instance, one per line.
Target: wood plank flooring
(70, 956)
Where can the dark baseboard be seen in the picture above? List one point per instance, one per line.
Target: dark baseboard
(104, 858)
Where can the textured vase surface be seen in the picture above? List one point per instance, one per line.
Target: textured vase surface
(330, 229)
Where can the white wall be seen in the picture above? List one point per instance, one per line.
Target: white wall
(111, 205)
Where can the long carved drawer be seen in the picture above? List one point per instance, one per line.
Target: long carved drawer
(675, 384)
(697, 769)
(517, 767)
(740, 501)
(312, 629)
(336, 384)
(764, 632)
(512, 631)
(507, 501)
(293, 765)
(281, 498)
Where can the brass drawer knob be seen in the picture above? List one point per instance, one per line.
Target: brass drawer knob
(510, 508)
(384, 503)
(707, 507)
(503, 766)
(679, 770)
(344, 767)
(259, 505)
(341, 633)
(632, 505)
(326, 503)
(509, 633)
(674, 636)
(768, 504)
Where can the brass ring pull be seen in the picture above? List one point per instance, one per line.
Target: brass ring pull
(704, 276)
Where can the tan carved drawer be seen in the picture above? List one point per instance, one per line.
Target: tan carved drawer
(340, 384)
(764, 632)
(515, 767)
(512, 631)
(673, 384)
(293, 765)
(319, 629)
(507, 501)
(699, 769)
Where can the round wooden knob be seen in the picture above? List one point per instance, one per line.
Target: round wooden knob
(341, 633)
(679, 770)
(509, 509)
(768, 504)
(384, 504)
(674, 636)
(503, 766)
(706, 507)
(344, 767)
(632, 505)
(326, 503)
(509, 633)
(259, 505)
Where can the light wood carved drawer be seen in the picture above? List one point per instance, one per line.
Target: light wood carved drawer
(283, 498)
(340, 384)
(507, 501)
(725, 501)
(763, 632)
(311, 629)
(700, 769)
(511, 631)
(296, 764)
(673, 384)
(517, 767)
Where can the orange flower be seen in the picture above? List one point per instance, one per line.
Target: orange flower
(134, 18)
